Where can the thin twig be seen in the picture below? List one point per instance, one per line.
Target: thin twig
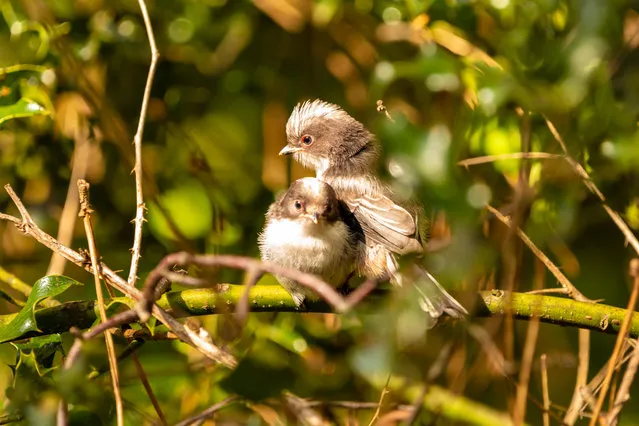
(634, 272)
(544, 390)
(28, 226)
(251, 278)
(324, 290)
(510, 156)
(493, 354)
(209, 411)
(115, 321)
(578, 168)
(624, 388)
(382, 108)
(548, 290)
(528, 355)
(148, 388)
(9, 218)
(137, 140)
(385, 390)
(586, 392)
(85, 214)
(435, 370)
(361, 292)
(563, 280)
(581, 382)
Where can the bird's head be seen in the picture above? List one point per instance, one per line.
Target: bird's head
(310, 199)
(321, 135)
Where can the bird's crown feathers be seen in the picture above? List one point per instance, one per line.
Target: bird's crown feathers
(305, 112)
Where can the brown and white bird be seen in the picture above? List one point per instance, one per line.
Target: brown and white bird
(344, 154)
(306, 229)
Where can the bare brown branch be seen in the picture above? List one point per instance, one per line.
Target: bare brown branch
(28, 226)
(139, 212)
(85, 214)
(563, 280)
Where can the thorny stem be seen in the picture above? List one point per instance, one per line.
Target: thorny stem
(28, 226)
(139, 213)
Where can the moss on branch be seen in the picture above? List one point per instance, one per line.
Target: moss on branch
(273, 298)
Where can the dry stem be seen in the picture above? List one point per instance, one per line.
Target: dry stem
(563, 280)
(510, 156)
(578, 168)
(529, 354)
(85, 213)
(139, 213)
(634, 272)
(148, 388)
(544, 389)
(208, 412)
(28, 226)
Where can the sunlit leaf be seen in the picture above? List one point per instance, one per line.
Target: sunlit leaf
(24, 322)
(20, 95)
(22, 108)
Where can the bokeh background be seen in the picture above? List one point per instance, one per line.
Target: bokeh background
(460, 79)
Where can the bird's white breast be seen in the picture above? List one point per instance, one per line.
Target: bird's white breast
(322, 250)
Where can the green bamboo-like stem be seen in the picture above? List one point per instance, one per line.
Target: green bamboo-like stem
(273, 298)
(458, 408)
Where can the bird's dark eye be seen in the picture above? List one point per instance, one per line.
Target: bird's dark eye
(298, 205)
(307, 139)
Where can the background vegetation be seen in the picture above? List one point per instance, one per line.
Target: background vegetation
(461, 79)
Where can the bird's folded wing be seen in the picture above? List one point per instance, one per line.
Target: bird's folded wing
(384, 222)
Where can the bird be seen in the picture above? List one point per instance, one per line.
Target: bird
(324, 137)
(309, 230)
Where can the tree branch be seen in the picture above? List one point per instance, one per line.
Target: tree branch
(273, 298)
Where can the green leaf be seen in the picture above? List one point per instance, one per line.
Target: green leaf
(20, 96)
(30, 379)
(23, 108)
(24, 322)
(44, 348)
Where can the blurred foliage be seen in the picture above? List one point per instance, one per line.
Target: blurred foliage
(460, 78)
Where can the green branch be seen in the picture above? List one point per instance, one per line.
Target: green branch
(273, 298)
(557, 310)
(457, 407)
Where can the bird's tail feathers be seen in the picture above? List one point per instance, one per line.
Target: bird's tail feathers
(434, 299)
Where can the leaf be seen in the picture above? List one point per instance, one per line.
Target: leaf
(19, 96)
(30, 378)
(24, 322)
(44, 348)
(22, 108)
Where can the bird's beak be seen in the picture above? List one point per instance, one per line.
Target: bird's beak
(288, 150)
(313, 216)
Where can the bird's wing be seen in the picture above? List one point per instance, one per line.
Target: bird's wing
(384, 222)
